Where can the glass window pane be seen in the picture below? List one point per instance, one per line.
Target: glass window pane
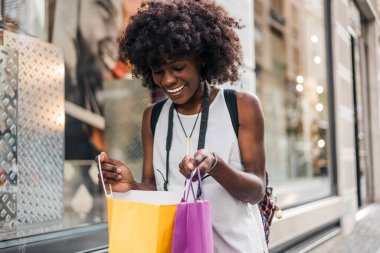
(292, 86)
(98, 88)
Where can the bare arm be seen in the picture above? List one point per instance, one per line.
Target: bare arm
(148, 181)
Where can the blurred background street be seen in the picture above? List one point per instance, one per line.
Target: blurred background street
(365, 236)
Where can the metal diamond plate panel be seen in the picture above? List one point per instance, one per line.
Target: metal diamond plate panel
(8, 137)
(40, 131)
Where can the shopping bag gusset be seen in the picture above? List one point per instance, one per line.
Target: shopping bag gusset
(192, 226)
(140, 221)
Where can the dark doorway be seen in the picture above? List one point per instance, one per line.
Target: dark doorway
(360, 100)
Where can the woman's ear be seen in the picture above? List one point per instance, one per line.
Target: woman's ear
(202, 69)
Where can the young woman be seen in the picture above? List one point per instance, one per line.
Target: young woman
(186, 48)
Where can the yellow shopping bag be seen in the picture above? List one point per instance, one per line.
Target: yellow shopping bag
(141, 221)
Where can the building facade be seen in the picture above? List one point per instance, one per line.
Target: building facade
(318, 60)
(312, 63)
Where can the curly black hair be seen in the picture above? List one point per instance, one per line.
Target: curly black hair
(173, 29)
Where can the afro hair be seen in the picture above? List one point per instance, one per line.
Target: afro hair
(171, 29)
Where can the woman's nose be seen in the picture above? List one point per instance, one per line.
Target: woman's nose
(168, 79)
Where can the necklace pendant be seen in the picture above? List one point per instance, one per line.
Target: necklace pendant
(188, 145)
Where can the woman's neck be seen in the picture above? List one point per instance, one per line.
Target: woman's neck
(194, 104)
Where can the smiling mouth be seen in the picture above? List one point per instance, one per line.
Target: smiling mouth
(176, 90)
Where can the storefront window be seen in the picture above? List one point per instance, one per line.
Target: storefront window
(102, 106)
(28, 17)
(292, 85)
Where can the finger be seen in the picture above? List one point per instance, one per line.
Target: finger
(203, 167)
(105, 158)
(109, 182)
(111, 175)
(200, 156)
(185, 160)
(110, 167)
(186, 163)
(114, 162)
(114, 169)
(185, 172)
(195, 177)
(188, 166)
(102, 157)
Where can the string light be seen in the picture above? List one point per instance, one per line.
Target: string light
(299, 87)
(317, 59)
(319, 107)
(314, 39)
(319, 89)
(300, 79)
(321, 143)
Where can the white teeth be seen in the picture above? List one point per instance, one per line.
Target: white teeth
(176, 89)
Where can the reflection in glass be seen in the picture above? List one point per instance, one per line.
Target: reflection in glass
(291, 83)
(95, 78)
(84, 201)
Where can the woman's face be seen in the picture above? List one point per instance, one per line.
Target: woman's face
(179, 78)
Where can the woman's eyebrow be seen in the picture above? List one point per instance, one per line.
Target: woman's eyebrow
(155, 68)
(174, 60)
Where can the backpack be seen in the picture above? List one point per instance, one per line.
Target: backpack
(267, 206)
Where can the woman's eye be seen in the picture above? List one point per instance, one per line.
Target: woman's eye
(179, 68)
(156, 72)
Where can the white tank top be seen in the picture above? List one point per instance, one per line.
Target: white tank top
(237, 226)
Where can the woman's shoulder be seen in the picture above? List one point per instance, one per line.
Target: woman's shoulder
(153, 107)
(245, 100)
(148, 110)
(249, 107)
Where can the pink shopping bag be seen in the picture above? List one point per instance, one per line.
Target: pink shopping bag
(192, 224)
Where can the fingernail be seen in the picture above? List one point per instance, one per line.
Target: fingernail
(119, 177)
(118, 170)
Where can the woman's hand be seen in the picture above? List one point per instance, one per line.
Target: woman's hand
(203, 158)
(115, 173)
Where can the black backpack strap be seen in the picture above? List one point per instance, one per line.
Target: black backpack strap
(204, 118)
(231, 102)
(156, 111)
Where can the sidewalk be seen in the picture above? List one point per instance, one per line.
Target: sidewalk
(365, 238)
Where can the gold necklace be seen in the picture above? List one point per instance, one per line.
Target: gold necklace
(188, 138)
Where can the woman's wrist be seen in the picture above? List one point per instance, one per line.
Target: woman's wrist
(214, 164)
(134, 185)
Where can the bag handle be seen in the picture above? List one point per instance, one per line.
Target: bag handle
(189, 185)
(102, 179)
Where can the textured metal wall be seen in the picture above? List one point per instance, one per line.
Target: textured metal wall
(40, 132)
(8, 137)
